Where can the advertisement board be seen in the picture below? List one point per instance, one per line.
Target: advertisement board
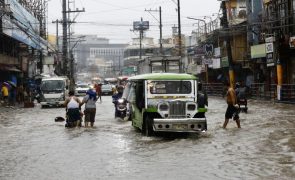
(140, 25)
(258, 51)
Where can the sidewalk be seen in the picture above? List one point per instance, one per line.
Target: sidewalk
(4, 109)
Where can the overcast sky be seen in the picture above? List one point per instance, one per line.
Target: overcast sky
(113, 19)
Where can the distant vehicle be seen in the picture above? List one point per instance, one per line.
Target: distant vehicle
(81, 89)
(54, 91)
(107, 89)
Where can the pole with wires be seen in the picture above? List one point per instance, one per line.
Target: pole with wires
(224, 22)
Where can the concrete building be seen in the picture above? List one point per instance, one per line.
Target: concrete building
(100, 52)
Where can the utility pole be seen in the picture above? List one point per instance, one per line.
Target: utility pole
(160, 16)
(57, 43)
(140, 42)
(65, 48)
(64, 39)
(224, 22)
(179, 35)
(161, 26)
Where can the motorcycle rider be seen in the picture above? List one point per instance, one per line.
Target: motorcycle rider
(116, 97)
(241, 95)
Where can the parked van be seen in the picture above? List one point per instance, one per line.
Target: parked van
(54, 91)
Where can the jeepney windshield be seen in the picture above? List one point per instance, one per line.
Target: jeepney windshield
(170, 87)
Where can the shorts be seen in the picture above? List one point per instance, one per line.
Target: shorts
(232, 112)
(90, 115)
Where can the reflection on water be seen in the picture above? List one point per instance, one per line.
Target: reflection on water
(33, 146)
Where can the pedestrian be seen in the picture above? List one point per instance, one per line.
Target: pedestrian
(202, 100)
(12, 95)
(5, 93)
(90, 107)
(98, 91)
(20, 94)
(117, 96)
(73, 113)
(231, 111)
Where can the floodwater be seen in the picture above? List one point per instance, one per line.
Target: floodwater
(34, 146)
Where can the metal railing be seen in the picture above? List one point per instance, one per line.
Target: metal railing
(261, 91)
(288, 93)
(215, 89)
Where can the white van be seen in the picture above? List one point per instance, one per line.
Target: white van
(54, 91)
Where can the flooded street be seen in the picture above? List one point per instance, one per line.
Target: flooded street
(34, 146)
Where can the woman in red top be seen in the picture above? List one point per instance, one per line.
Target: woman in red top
(98, 90)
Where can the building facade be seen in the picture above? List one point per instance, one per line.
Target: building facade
(100, 52)
(22, 39)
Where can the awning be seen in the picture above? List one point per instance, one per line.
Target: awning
(5, 67)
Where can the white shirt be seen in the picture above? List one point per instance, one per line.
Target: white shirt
(73, 104)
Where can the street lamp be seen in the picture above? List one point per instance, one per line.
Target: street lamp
(206, 66)
(200, 20)
(210, 23)
(72, 79)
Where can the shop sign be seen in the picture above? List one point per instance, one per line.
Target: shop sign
(217, 52)
(269, 60)
(269, 48)
(209, 50)
(270, 39)
(292, 42)
(48, 60)
(224, 62)
(216, 63)
(199, 50)
(207, 61)
(258, 51)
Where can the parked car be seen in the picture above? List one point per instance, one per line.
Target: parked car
(106, 89)
(81, 89)
(166, 102)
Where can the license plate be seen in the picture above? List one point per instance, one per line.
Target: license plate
(179, 126)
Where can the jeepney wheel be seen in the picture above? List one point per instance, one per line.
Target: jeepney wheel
(147, 129)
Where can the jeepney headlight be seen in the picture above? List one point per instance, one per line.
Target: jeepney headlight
(191, 107)
(163, 107)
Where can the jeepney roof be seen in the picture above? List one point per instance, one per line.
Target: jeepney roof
(163, 76)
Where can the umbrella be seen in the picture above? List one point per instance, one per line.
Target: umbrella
(11, 83)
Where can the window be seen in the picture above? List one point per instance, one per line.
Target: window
(170, 87)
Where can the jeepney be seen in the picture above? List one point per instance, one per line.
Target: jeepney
(165, 102)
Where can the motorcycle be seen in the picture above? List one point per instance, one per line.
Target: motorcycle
(242, 103)
(120, 107)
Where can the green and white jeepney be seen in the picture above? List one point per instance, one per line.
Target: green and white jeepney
(165, 102)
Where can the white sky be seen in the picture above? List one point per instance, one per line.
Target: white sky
(113, 19)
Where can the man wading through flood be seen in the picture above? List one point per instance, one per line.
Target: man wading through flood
(231, 111)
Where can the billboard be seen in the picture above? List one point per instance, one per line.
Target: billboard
(140, 25)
